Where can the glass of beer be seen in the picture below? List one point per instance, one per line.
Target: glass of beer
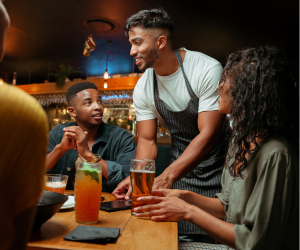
(56, 182)
(88, 190)
(142, 173)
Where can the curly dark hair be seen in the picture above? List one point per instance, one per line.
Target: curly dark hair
(147, 19)
(263, 101)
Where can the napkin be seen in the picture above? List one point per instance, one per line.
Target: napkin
(94, 234)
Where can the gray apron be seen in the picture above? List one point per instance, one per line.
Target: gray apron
(205, 179)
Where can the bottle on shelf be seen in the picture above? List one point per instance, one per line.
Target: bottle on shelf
(134, 129)
(129, 125)
(14, 82)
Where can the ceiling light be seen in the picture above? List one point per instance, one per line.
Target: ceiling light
(100, 25)
(106, 75)
(105, 84)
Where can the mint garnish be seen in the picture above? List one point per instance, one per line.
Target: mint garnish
(93, 174)
(88, 170)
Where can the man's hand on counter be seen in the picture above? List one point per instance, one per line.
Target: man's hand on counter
(162, 181)
(123, 190)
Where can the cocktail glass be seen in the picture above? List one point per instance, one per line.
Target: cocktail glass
(142, 173)
(56, 182)
(88, 190)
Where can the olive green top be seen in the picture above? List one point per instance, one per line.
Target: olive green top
(263, 203)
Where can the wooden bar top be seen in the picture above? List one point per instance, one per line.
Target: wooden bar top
(135, 233)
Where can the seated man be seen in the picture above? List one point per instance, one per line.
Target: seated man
(89, 139)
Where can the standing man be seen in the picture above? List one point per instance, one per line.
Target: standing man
(89, 139)
(179, 88)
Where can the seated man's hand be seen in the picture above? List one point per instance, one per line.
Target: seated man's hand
(76, 133)
(123, 190)
(67, 143)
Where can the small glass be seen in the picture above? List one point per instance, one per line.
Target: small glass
(142, 173)
(88, 190)
(56, 183)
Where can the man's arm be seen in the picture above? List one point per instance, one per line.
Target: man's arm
(210, 125)
(123, 150)
(57, 149)
(146, 149)
(54, 156)
(78, 136)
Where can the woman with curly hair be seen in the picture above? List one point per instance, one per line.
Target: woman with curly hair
(259, 202)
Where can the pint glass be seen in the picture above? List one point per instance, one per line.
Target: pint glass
(142, 173)
(88, 190)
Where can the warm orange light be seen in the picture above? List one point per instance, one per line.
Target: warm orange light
(1, 81)
(105, 84)
(106, 74)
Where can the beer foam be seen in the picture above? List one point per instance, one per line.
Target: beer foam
(142, 171)
(56, 184)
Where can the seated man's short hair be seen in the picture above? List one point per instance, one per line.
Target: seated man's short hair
(73, 90)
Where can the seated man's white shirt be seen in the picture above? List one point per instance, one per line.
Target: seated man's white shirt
(203, 73)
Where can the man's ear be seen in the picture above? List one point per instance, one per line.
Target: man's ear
(162, 41)
(72, 111)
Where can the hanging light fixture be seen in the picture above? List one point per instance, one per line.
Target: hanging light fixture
(106, 75)
(105, 84)
(89, 46)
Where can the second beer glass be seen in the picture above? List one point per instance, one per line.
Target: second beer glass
(142, 173)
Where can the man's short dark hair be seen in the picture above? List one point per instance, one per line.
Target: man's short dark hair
(149, 19)
(73, 90)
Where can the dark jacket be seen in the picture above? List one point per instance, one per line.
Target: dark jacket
(115, 145)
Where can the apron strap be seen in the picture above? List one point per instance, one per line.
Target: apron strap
(187, 83)
(156, 94)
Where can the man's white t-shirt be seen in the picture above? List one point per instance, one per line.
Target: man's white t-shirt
(203, 73)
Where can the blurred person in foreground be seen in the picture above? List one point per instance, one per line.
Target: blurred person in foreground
(89, 139)
(259, 202)
(178, 88)
(23, 145)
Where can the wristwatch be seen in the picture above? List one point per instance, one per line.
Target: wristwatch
(96, 158)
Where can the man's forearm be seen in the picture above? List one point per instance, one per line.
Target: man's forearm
(104, 168)
(212, 206)
(195, 153)
(54, 156)
(146, 149)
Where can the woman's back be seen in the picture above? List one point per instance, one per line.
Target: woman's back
(263, 201)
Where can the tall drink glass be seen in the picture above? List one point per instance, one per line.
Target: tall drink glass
(88, 190)
(142, 173)
(56, 183)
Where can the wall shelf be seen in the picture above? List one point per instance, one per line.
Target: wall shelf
(121, 83)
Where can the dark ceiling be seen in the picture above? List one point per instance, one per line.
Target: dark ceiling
(44, 32)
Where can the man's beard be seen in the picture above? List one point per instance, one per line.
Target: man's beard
(153, 56)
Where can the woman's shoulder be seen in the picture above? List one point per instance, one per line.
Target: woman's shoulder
(276, 145)
(275, 150)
